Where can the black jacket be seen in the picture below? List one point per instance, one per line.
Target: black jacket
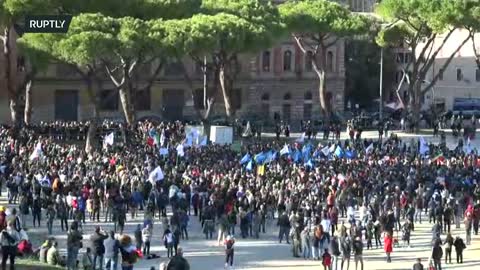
(437, 253)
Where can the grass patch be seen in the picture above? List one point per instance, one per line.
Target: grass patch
(31, 264)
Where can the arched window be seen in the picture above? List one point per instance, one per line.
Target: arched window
(308, 61)
(265, 97)
(330, 61)
(287, 96)
(266, 61)
(308, 95)
(287, 60)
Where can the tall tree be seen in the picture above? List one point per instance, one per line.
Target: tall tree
(424, 27)
(135, 46)
(32, 61)
(12, 77)
(90, 37)
(232, 27)
(316, 26)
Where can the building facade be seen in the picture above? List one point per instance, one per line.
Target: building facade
(276, 80)
(460, 81)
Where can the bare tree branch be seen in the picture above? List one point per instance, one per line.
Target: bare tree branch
(444, 66)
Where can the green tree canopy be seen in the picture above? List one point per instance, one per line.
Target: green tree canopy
(424, 27)
(316, 26)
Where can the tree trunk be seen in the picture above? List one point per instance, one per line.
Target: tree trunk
(416, 105)
(28, 102)
(14, 112)
(10, 77)
(92, 128)
(127, 106)
(225, 85)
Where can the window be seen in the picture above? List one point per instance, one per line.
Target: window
(287, 60)
(265, 97)
(308, 61)
(266, 61)
(286, 112)
(440, 74)
(237, 98)
(477, 75)
(307, 111)
(142, 100)
(198, 99)
(330, 61)
(109, 100)
(308, 96)
(287, 96)
(459, 74)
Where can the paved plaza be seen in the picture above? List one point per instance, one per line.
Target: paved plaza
(266, 252)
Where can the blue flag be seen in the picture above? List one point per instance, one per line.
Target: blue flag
(245, 159)
(285, 150)
(271, 155)
(306, 151)
(260, 157)
(297, 156)
(350, 154)
(339, 152)
(249, 166)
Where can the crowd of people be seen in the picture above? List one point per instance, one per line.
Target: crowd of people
(312, 191)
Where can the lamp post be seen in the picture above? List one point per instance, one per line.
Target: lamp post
(381, 85)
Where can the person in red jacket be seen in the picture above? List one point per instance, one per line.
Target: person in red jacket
(388, 245)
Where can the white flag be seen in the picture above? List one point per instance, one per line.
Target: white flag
(301, 139)
(156, 175)
(284, 150)
(108, 140)
(180, 151)
(332, 148)
(326, 151)
(37, 152)
(162, 138)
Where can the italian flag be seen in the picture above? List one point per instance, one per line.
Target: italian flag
(153, 140)
(439, 159)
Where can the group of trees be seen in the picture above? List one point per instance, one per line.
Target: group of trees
(112, 40)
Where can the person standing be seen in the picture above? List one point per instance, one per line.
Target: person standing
(284, 225)
(305, 239)
(178, 262)
(50, 218)
(111, 252)
(9, 238)
(358, 252)
(346, 249)
(229, 251)
(168, 241)
(335, 250)
(418, 265)
(388, 246)
(98, 247)
(147, 238)
(459, 247)
(437, 254)
(36, 211)
(448, 248)
(74, 244)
